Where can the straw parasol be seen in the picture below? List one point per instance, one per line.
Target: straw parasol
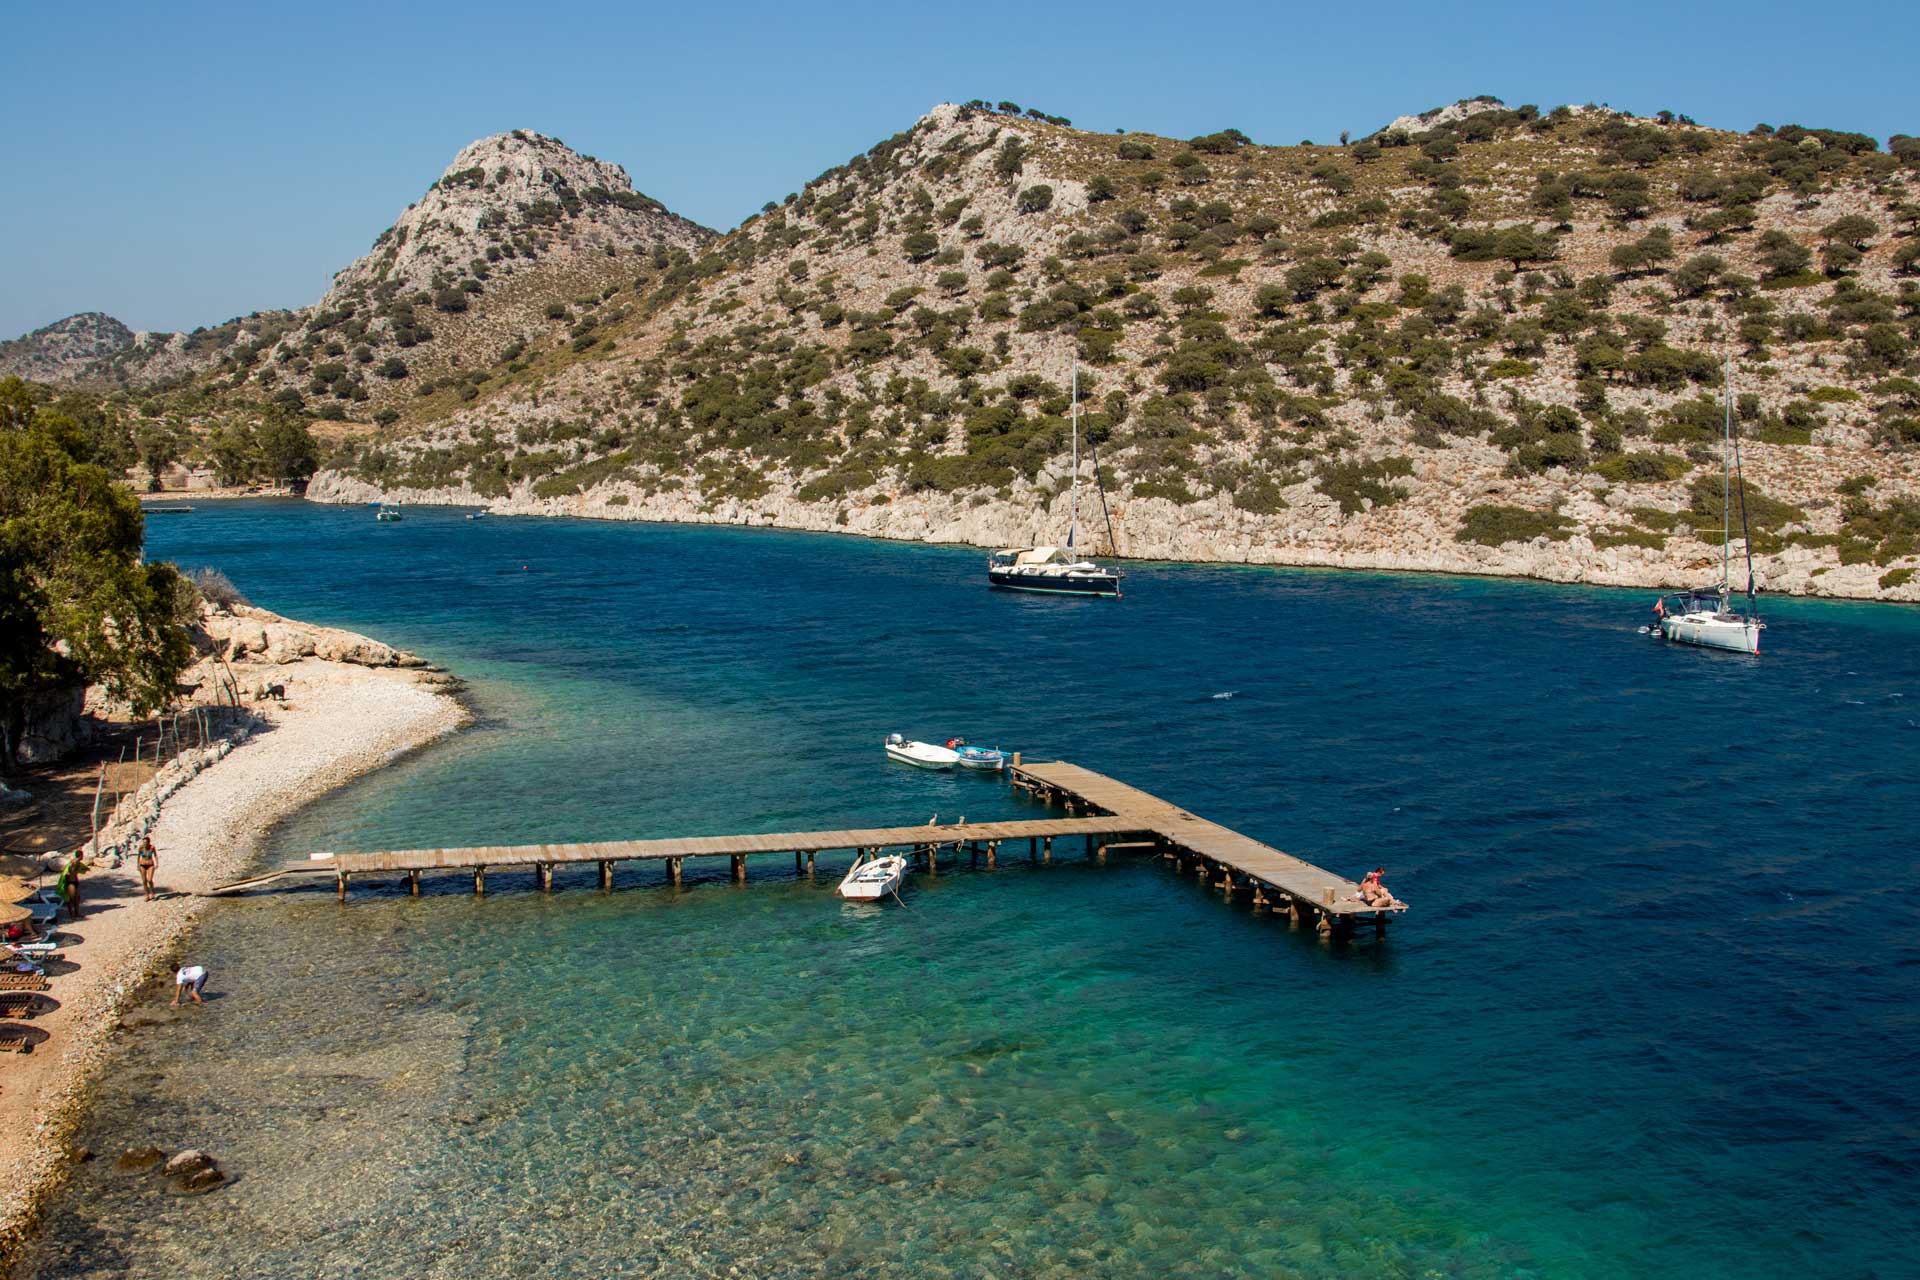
(20, 866)
(12, 912)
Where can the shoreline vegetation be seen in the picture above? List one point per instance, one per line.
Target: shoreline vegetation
(1568, 560)
(351, 705)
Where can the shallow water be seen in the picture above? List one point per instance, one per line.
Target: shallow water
(1652, 1010)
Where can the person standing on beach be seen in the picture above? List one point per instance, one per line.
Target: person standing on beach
(68, 885)
(191, 979)
(148, 861)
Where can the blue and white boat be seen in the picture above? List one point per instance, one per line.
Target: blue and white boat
(972, 757)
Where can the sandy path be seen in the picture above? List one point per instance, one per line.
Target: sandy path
(340, 720)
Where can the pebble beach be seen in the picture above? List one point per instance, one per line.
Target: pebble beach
(340, 719)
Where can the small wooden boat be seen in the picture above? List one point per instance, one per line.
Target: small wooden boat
(972, 757)
(873, 876)
(922, 755)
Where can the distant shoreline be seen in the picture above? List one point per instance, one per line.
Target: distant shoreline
(916, 518)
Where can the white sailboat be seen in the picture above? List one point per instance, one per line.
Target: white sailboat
(1706, 617)
(1057, 570)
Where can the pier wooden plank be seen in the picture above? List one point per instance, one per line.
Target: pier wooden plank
(1327, 892)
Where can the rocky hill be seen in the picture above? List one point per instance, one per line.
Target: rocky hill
(95, 350)
(1494, 345)
(516, 235)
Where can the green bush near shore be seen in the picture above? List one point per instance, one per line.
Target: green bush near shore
(1495, 525)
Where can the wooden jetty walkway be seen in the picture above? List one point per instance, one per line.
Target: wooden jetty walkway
(1106, 814)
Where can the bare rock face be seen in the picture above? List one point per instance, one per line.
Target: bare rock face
(517, 179)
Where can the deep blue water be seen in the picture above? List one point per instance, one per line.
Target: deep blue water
(1652, 1010)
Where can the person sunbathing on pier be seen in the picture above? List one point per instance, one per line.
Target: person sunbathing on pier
(1375, 894)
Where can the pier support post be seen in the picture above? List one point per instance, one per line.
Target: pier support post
(1047, 855)
(739, 869)
(1380, 925)
(1293, 913)
(1033, 849)
(799, 862)
(606, 877)
(480, 882)
(543, 872)
(413, 884)
(340, 887)
(673, 871)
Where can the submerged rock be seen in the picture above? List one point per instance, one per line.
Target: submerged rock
(203, 1180)
(188, 1163)
(139, 1159)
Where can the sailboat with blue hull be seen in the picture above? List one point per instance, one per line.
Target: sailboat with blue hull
(1054, 570)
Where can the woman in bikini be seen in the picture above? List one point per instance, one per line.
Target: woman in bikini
(148, 862)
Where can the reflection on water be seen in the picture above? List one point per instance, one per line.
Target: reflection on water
(1649, 1014)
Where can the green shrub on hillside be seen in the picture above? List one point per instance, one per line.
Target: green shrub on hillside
(1643, 467)
(1494, 525)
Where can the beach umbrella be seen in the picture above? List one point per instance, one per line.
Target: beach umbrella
(14, 913)
(19, 866)
(13, 888)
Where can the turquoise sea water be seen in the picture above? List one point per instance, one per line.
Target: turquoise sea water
(1652, 1011)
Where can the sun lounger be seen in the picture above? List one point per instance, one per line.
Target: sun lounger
(45, 949)
(23, 982)
(13, 1043)
(18, 1004)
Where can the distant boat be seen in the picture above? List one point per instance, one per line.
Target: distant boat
(387, 514)
(873, 876)
(176, 509)
(377, 502)
(1705, 617)
(476, 515)
(923, 755)
(1056, 570)
(972, 757)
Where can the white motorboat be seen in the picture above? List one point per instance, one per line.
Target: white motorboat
(924, 755)
(1706, 617)
(873, 876)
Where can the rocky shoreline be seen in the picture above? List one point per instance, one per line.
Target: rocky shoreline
(343, 705)
(1310, 534)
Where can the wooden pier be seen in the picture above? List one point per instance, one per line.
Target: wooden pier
(1106, 814)
(1231, 862)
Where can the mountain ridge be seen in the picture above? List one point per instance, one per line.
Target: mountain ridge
(1493, 347)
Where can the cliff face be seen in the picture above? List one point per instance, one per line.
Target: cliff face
(1495, 347)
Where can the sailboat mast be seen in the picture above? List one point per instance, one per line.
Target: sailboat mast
(1073, 517)
(1726, 478)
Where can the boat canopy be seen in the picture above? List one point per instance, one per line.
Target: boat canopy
(1041, 555)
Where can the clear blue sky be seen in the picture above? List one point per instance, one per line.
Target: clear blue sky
(180, 164)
